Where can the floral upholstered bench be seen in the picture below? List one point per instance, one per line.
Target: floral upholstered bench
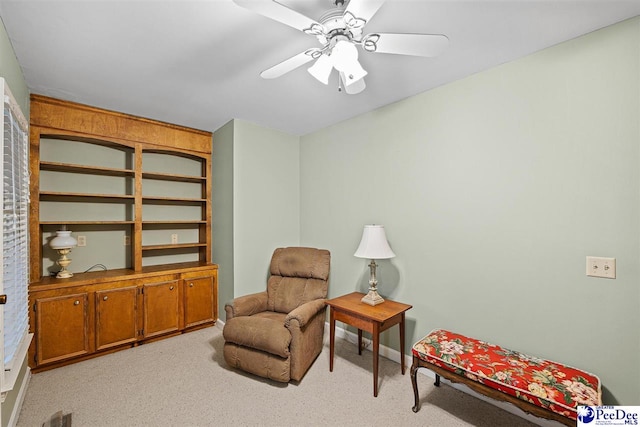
(540, 387)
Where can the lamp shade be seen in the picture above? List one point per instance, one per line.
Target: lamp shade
(374, 244)
(321, 69)
(63, 240)
(345, 60)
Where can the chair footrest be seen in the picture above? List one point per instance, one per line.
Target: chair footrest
(260, 333)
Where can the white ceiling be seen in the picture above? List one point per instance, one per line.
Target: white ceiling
(197, 63)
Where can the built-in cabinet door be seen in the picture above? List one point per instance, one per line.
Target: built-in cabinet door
(116, 317)
(62, 327)
(161, 307)
(199, 297)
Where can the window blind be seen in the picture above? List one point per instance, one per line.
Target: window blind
(15, 230)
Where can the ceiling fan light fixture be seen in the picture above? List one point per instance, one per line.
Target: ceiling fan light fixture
(354, 87)
(340, 31)
(353, 73)
(343, 54)
(345, 60)
(321, 69)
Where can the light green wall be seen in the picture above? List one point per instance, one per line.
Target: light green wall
(265, 200)
(493, 190)
(11, 72)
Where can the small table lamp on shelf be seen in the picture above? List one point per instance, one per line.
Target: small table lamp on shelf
(373, 246)
(63, 243)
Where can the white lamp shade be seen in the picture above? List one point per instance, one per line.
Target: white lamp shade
(354, 87)
(63, 240)
(374, 244)
(345, 60)
(353, 74)
(321, 69)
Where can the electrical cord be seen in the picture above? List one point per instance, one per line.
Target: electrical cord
(102, 266)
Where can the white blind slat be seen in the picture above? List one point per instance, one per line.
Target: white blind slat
(15, 237)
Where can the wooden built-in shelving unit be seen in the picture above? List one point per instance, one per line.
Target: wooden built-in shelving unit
(95, 312)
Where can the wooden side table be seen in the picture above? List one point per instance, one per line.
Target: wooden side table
(373, 319)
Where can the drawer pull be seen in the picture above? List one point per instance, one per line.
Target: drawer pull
(76, 302)
(171, 287)
(105, 298)
(191, 285)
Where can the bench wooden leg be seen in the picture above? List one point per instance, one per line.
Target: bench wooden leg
(414, 383)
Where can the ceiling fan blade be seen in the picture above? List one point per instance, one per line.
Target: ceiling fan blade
(364, 9)
(287, 65)
(278, 12)
(406, 44)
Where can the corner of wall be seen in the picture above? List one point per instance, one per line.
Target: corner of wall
(222, 211)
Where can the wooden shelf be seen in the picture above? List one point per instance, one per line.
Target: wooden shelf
(173, 177)
(59, 196)
(174, 246)
(83, 169)
(101, 276)
(87, 222)
(179, 200)
(170, 223)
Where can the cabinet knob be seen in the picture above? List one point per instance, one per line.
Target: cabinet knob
(105, 298)
(76, 302)
(171, 287)
(191, 285)
(3, 299)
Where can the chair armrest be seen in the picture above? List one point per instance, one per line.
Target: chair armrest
(246, 305)
(304, 313)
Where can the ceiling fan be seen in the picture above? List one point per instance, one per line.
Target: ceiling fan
(340, 31)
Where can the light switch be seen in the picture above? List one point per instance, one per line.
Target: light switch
(601, 267)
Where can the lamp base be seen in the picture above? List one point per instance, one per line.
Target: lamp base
(64, 262)
(372, 298)
(64, 274)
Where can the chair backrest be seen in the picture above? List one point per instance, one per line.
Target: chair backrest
(298, 275)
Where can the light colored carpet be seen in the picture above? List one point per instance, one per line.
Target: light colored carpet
(184, 381)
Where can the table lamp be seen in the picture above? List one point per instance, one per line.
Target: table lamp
(63, 242)
(373, 246)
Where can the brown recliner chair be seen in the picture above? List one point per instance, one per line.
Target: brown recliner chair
(278, 333)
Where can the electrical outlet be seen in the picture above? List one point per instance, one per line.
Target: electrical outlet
(174, 239)
(82, 241)
(601, 267)
(127, 240)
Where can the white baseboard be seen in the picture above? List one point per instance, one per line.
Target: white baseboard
(394, 355)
